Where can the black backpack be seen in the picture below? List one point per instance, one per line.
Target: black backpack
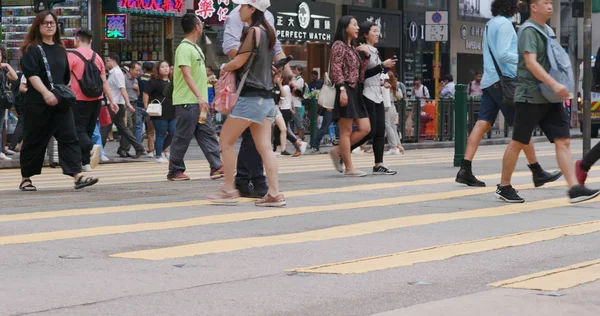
(91, 81)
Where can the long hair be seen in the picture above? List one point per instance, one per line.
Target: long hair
(365, 28)
(34, 36)
(340, 31)
(156, 70)
(258, 19)
(393, 81)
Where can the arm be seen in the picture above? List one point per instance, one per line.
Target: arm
(11, 74)
(40, 87)
(146, 100)
(106, 90)
(287, 70)
(504, 37)
(537, 70)
(337, 63)
(186, 71)
(240, 60)
(23, 88)
(374, 71)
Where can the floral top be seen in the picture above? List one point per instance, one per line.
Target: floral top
(346, 65)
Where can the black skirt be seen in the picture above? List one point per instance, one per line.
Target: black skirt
(355, 109)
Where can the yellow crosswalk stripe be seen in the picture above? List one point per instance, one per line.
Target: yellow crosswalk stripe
(246, 216)
(336, 232)
(288, 194)
(556, 279)
(443, 252)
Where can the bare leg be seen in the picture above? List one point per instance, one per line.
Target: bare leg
(530, 153)
(509, 161)
(232, 129)
(345, 142)
(480, 129)
(565, 160)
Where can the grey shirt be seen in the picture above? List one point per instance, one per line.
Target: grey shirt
(133, 96)
(260, 75)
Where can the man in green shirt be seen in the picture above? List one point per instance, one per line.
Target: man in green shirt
(190, 95)
(533, 109)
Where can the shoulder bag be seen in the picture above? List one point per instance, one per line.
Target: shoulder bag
(327, 93)
(508, 84)
(6, 95)
(64, 95)
(155, 106)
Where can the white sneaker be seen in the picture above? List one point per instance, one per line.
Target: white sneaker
(10, 152)
(277, 153)
(167, 155)
(86, 168)
(393, 152)
(103, 158)
(3, 157)
(162, 160)
(303, 146)
(95, 156)
(356, 151)
(151, 155)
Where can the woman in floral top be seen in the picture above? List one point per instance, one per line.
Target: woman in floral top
(348, 64)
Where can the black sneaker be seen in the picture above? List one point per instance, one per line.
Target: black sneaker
(285, 153)
(465, 176)
(543, 177)
(382, 170)
(580, 193)
(508, 194)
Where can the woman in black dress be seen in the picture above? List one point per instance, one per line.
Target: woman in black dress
(46, 117)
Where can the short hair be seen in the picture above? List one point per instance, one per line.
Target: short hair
(417, 78)
(85, 35)
(148, 67)
(115, 57)
(299, 68)
(211, 68)
(477, 73)
(315, 73)
(133, 64)
(449, 78)
(365, 28)
(189, 22)
(506, 8)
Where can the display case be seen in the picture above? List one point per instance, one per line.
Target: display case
(16, 22)
(146, 41)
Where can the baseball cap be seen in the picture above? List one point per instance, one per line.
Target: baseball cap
(260, 5)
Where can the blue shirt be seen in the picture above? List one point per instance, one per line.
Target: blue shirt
(234, 27)
(504, 47)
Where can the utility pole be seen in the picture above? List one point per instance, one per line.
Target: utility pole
(587, 75)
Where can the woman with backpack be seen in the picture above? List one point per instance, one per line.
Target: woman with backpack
(48, 106)
(7, 97)
(160, 89)
(255, 108)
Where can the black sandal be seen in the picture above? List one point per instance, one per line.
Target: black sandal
(85, 181)
(27, 186)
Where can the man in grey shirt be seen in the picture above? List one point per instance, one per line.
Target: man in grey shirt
(133, 91)
(250, 179)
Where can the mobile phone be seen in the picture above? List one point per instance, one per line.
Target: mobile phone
(282, 62)
(394, 57)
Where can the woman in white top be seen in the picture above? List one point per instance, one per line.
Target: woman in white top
(373, 96)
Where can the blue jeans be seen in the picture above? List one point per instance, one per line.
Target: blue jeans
(142, 117)
(97, 138)
(161, 140)
(324, 129)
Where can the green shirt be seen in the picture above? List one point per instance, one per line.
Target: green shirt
(189, 54)
(533, 42)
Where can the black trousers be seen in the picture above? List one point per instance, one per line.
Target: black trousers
(376, 113)
(249, 163)
(42, 123)
(127, 136)
(86, 115)
(590, 159)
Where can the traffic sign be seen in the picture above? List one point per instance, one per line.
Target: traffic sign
(436, 33)
(436, 17)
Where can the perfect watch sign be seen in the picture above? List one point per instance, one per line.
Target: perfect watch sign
(304, 21)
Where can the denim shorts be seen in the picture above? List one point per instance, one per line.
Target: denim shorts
(491, 104)
(254, 109)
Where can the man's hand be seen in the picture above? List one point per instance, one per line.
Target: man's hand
(343, 98)
(130, 108)
(114, 107)
(203, 104)
(561, 91)
(50, 99)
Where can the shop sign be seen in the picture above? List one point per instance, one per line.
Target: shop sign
(389, 24)
(209, 9)
(473, 36)
(116, 26)
(304, 21)
(156, 7)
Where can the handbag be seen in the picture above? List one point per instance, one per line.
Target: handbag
(7, 98)
(104, 116)
(155, 108)
(327, 93)
(507, 84)
(227, 90)
(64, 95)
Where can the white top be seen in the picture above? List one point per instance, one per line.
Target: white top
(297, 102)
(116, 81)
(286, 102)
(420, 92)
(372, 85)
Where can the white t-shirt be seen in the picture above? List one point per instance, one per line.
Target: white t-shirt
(297, 102)
(418, 93)
(286, 102)
(116, 81)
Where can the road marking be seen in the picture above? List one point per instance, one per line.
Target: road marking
(557, 279)
(443, 252)
(246, 216)
(344, 231)
(289, 194)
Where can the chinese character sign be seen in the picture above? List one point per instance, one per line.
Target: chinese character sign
(154, 6)
(213, 12)
(115, 26)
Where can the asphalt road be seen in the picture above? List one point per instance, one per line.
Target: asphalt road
(412, 244)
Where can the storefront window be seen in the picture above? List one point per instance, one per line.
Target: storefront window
(441, 5)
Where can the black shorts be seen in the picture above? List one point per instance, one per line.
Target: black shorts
(552, 118)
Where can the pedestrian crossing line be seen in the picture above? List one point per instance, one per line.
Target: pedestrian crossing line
(288, 194)
(556, 279)
(337, 232)
(444, 252)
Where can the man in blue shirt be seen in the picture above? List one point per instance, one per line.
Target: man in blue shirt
(250, 179)
(500, 39)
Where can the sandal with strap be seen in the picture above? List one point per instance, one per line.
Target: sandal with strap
(85, 181)
(27, 186)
